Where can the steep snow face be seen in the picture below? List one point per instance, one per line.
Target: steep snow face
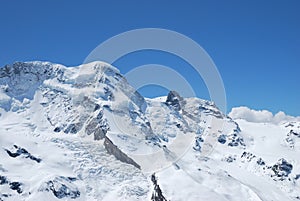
(42, 101)
(21, 80)
(73, 99)
(83, 133)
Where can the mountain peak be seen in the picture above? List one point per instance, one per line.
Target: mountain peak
(175, 100)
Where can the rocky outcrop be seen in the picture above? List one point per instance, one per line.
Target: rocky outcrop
(295, 133)
(21, 151)
(157, 193)
(97, 126)
(15, 186)
(114, 150)
(174, 100)
(247, 156)
(292, 137)
(282, 168)
(3, 180)
(61, 187)
(222, 139)
(234, 139)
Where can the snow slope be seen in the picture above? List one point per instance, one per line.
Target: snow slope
(83, 133)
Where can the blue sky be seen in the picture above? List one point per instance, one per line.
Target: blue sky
(254, 44)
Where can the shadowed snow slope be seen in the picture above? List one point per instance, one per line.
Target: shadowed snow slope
(83, 133)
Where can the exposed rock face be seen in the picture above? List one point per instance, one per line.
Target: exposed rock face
(248, 156)
(97, 126)
(260, 161)
(235, 140)
(3, 180)
(157, 193)
(222, 139)
(62, 187)
(175, 100)
(114, 150)
(292, 137)
(282, 168)
(296, 133)
(21, 151)
(198, 141)
(230, 159)
(15, 186)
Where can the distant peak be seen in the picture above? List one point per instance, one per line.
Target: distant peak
(98, 65)
(174, 100)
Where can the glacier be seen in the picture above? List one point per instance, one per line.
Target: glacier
(83, 133)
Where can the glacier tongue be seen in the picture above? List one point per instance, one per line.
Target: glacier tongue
(97, 138)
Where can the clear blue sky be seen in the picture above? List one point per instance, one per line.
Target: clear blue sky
(254, 44)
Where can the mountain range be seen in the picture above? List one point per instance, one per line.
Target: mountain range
(83, 133)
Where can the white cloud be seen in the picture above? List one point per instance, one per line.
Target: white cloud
(260, 116)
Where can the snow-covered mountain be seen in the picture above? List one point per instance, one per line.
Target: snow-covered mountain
(83, 133)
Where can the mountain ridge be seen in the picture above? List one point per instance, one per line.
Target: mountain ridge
(108, 140)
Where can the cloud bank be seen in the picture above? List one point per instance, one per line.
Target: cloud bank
(260, 116)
